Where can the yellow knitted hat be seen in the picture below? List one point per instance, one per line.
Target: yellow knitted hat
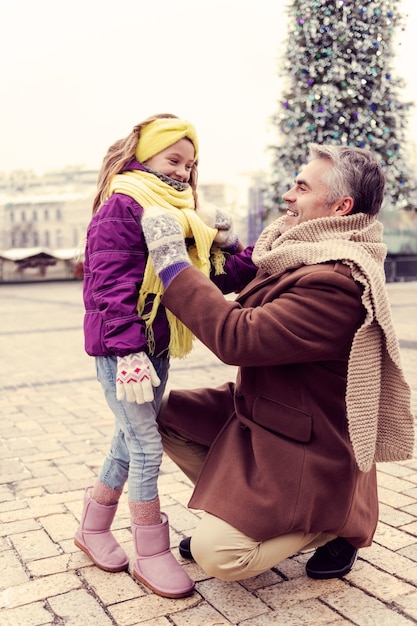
(162, 133)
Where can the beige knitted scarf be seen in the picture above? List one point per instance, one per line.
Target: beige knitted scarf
(149, 190)
(380, 422)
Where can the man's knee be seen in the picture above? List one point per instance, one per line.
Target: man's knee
(222, 558)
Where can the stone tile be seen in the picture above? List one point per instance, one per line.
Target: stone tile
(410, 552)
(60, 526)
(408, 605)
(398, 469)
(362, 609)
(38, 589)
(231, 599)
(158, 621)
(394, 563)
(394, 499)
(392, 538)
(149, 607)
(394, 517)
(266, 579)
(292, 592)
(394, 483)
(79, 608)
(379, 584)
(34, 545)
(30, 615)
(18, 526)
(58, 564)
(11, 570)
(300, 614)
(112, 588)
(201, 614)
(180, 518)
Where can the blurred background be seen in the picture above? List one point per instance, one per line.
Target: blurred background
(259, 81)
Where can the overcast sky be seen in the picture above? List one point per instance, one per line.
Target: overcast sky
(76, 76)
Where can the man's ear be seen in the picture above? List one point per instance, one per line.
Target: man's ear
(344, 206)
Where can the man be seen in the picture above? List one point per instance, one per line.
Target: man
(283, 460)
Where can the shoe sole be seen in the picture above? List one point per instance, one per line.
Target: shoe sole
(159, 592)
(120, 568)
(332, 573)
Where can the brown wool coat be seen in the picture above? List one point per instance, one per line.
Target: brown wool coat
(280, 458)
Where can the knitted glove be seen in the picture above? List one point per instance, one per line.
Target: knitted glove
(135, 377)
(165, 241)
(223, 222)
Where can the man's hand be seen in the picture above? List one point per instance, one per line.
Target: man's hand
(136, 377)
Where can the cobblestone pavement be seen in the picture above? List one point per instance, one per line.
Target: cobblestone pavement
(54, 431)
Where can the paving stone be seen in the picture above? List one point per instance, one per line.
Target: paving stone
(11, 570)
(34, 545)
(148, 607)
(231, 599)
(290, 592)
(377, 583)
(408, 605)
(393, 538)
(78, 608)
(39, 589)
(30, 615)
(112, 588)
(363, 610)
(203, 613)
(300, 614)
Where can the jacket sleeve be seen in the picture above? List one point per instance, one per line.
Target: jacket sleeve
(239, 271)
(307, 315)
(117, 256)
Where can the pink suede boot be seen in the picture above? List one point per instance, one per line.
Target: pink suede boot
(155, 565)
(95, 539)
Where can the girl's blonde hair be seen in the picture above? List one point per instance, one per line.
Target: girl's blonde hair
(123, 151)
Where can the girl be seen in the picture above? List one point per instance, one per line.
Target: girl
(132, 336)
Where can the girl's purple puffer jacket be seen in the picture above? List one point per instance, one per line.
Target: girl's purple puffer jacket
(115, 260)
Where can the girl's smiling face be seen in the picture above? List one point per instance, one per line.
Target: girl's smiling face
(176, 161)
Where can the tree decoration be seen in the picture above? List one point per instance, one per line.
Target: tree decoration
(339, 88)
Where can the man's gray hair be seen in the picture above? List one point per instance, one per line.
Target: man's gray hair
(355, 172)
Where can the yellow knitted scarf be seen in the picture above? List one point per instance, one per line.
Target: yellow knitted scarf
(378, 398)
(148, 190)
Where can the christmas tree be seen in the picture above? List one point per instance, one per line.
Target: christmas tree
(340, 89)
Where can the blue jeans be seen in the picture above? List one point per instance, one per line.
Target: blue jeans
(136, 450)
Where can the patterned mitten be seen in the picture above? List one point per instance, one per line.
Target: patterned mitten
(135, 377)
(223, 222)
(165, 241)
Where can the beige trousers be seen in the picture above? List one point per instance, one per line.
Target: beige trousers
(219, 548)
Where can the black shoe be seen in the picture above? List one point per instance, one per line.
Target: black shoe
(184, 548)
(333, 560)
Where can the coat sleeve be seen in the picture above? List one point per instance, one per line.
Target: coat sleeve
(117, 256)
(309, 315)
(239, 270)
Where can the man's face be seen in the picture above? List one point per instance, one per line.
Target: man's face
(308, 198)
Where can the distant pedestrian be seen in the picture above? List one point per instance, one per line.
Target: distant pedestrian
(132, 336)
